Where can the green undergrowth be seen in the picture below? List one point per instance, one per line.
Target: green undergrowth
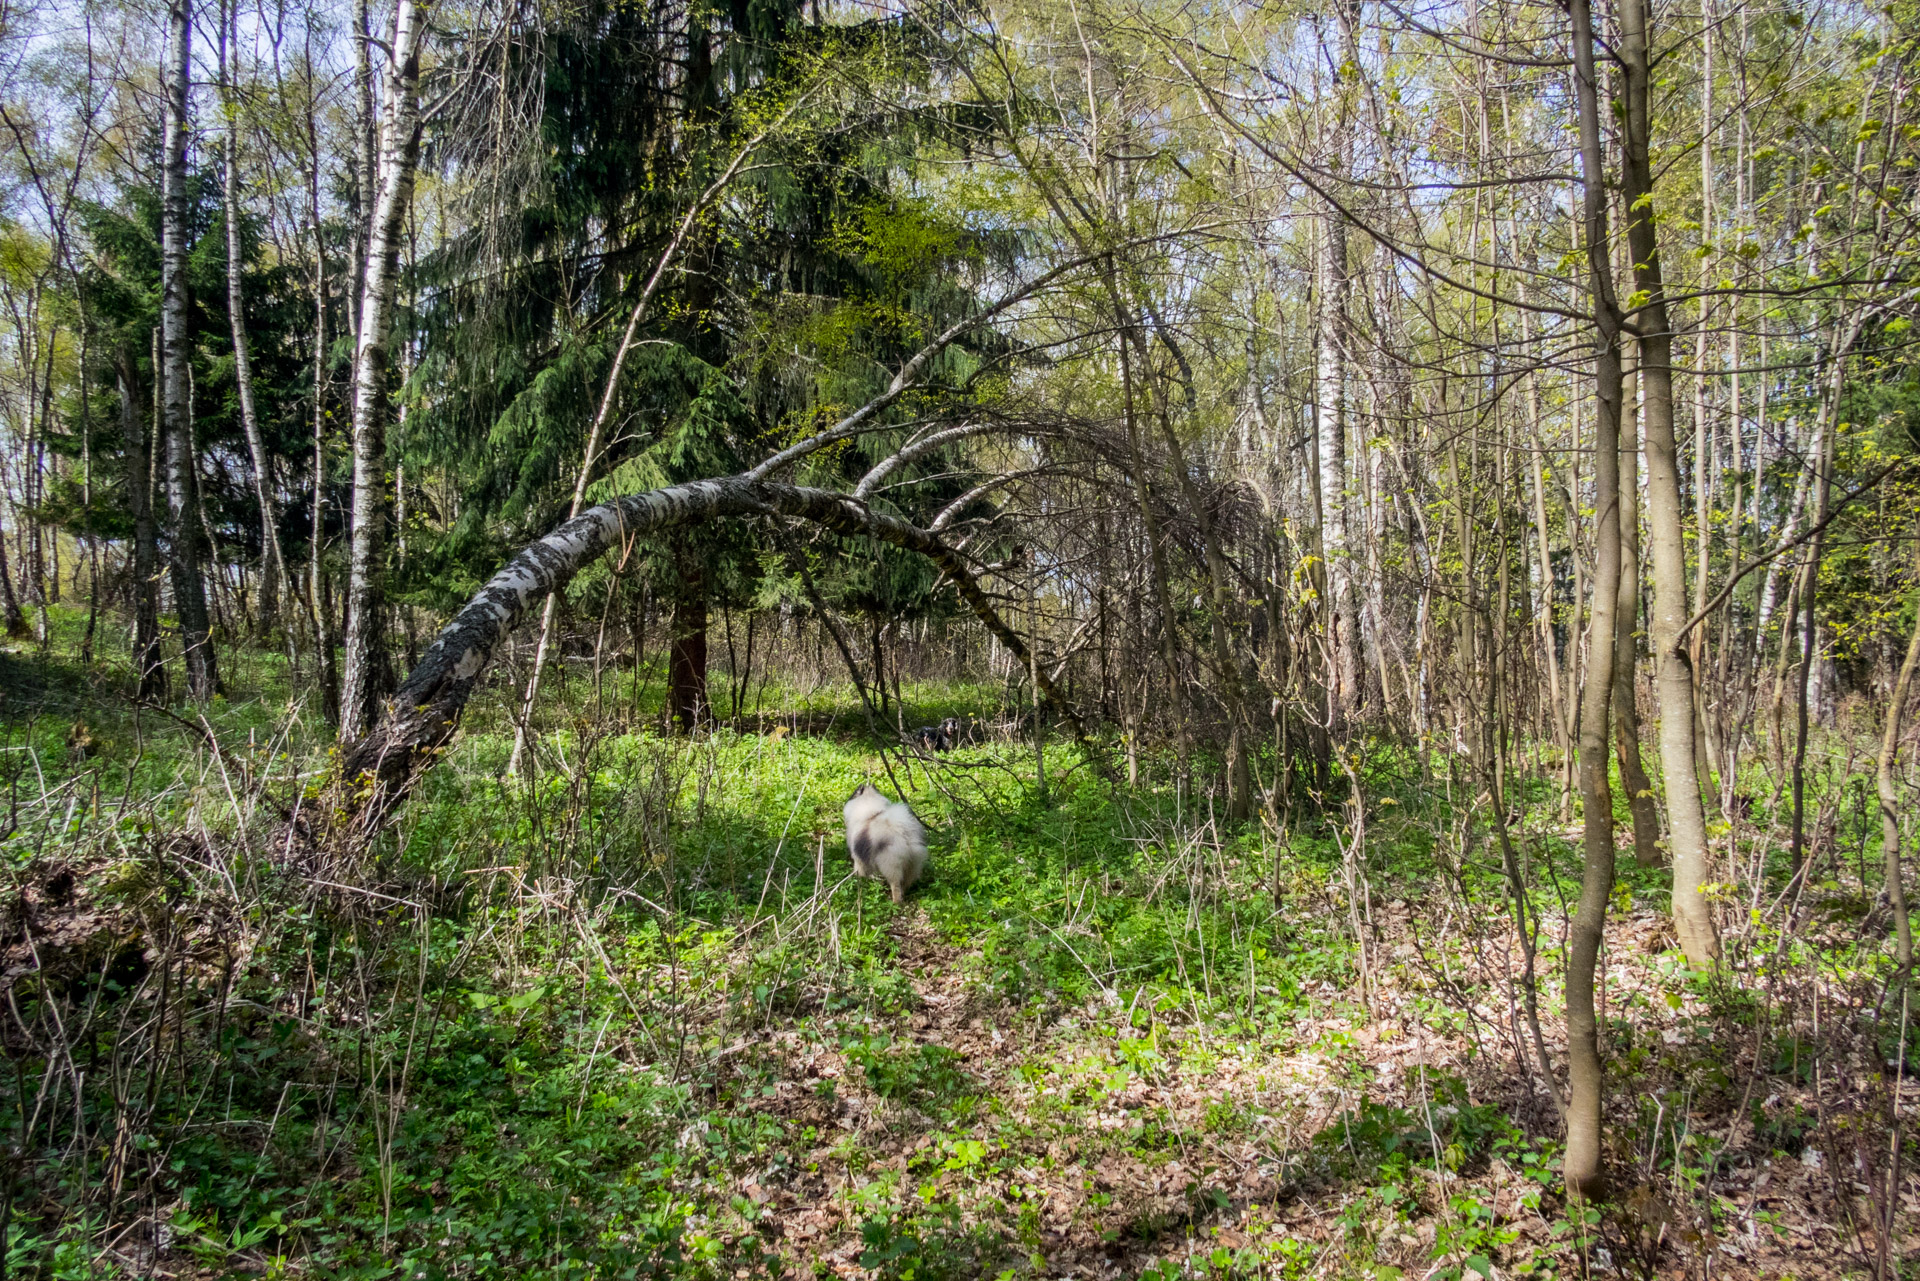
(628, 1015)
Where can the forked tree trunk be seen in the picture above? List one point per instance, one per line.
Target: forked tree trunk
(1586, 1075)
(1673, 663)
(366, 660)
(377, 771)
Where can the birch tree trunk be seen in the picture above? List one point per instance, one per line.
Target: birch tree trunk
(366, 665)
(378, 770)
(1809, 597)
(1330, 422)
(1673, 663)
(183, 532)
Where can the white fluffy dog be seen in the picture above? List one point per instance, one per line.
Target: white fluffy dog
(885, 840)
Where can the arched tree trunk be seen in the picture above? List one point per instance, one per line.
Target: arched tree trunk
(423, 713)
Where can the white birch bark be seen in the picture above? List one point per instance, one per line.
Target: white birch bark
(366, 595)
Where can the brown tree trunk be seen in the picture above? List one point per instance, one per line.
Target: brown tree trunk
(184, 535)
(1626, 652)
(1583, 1168)
(687, 656)
(1896, 889)
(150, 673)
(1673, 664)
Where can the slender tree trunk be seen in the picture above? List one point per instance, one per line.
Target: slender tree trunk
(1626, 627)
(1330, 423)
(1156, 546)
(365, 159)
(318, 608)
(1896, 889)
(1584, 1172)
(1549, 645)
(366, 662)
(1706, 464)
(184, 533)
(1809, 591)
(273, 565)
(1673, 663)
(687, 655)
(1033, 676)
(150, 673)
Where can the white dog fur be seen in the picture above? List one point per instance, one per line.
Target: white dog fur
(885, 840)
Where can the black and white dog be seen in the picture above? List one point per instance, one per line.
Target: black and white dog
(885, 840)
(943, 737)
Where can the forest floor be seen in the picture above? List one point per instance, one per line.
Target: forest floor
(630, 1016)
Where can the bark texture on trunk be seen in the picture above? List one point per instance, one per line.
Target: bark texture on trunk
(1330, 423)
(1626, 656)
(273, 565)
(687, 654)
(16, 620)
(1896, 889)
(150, 673)
(1673, 663)
(1586, 1075)
(184, 533)
(424, 712)
(366, 660)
